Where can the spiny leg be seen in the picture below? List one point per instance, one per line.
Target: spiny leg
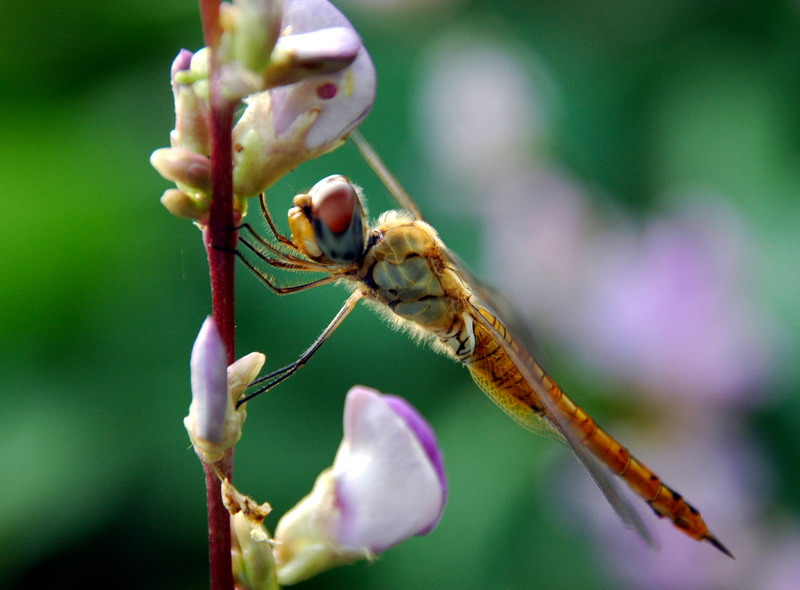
(282, 260)
(263, 241)
(264, 278)
(301, 262)
(262, 199)
(282, 239)
(269, 381)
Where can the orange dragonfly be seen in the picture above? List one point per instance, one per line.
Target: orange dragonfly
(404, 269)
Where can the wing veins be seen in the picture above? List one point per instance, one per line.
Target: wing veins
(601, 475)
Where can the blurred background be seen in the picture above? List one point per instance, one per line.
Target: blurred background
(626, 172)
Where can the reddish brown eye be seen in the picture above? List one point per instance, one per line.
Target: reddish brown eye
(338, 219)
(335, 205)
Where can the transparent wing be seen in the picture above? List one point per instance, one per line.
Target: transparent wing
(610, 486)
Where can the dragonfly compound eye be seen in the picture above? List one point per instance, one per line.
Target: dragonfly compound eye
(338, 219)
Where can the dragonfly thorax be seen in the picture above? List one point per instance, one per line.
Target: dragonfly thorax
(406, 270)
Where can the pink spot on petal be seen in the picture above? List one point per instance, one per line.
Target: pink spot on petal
(327, 91)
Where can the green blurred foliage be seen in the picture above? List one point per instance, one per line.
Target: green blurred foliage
(103, 292)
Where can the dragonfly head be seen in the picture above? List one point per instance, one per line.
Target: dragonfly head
(329, 223)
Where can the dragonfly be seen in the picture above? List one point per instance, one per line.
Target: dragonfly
(401, 266)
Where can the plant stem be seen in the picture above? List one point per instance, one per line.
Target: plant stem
(219, 236)
(220, 240)
(219, 528)
(209, 14)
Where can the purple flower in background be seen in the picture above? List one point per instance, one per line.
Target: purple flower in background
(666, 307)
(670, 307)
(476, 132)
(386, 484)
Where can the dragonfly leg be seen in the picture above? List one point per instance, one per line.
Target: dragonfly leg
(272, 379)
(265, 278)
(281, 259)
(303, 263)
(262, 199)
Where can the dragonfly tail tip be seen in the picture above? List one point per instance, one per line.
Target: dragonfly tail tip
(713, 540)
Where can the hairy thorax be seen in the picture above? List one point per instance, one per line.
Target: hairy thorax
(405, 268)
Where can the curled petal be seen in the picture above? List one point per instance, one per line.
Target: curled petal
(183, 167)
(242, 372)
(311, 54)
(343, 100)
(386, 485)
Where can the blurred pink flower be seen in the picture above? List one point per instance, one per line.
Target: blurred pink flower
(666, 307)
(671, 309)
(479, 111)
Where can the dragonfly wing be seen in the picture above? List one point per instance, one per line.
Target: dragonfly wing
(558, 422)
(382, 171)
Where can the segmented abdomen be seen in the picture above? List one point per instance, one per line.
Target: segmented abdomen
(497, 375)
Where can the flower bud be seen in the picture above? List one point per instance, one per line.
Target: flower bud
(180, 204)
(257, 27)
(387, 484)
(190, 91)
(187, 169)
(214, 424)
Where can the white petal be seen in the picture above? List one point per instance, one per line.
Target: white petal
(387, 488)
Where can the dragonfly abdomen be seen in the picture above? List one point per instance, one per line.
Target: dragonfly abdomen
(495, 373)
(664, 501)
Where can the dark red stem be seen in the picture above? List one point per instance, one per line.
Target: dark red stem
(220, 240)
(219, 236)
(219, 529)
(209, 14)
